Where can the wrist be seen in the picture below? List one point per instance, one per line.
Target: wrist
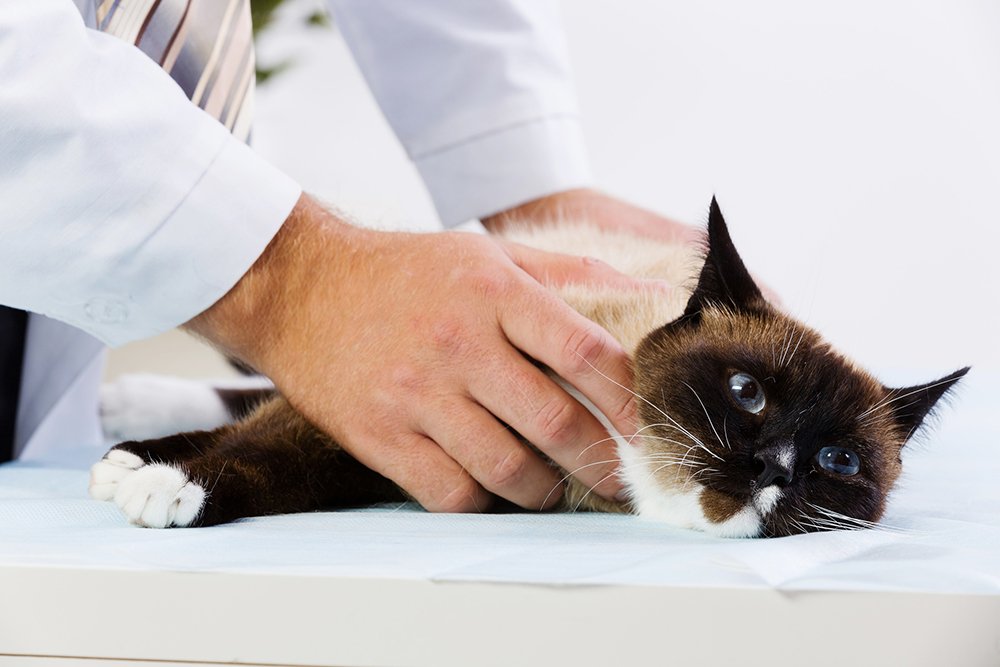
(251, 321)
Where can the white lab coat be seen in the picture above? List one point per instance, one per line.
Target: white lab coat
(127, 210)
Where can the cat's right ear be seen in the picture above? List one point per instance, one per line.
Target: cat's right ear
(724, 279)
(911, 405)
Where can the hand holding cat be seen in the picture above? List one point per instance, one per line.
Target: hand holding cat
(599, 209)
(413, 351)
(610, 213)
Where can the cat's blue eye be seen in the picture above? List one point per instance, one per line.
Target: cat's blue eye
(839, 460)
(747, 392)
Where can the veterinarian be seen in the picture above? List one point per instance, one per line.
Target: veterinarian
(129, 210)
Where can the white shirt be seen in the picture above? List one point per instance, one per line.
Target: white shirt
(127, 211)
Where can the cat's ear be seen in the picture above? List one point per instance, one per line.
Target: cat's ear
(910, 405)
(724, 279)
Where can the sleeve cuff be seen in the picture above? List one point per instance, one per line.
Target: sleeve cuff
(506, 167)
(199, 253)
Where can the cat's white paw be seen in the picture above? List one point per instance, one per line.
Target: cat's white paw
(109, 471)
(141, 407)
(159, 496)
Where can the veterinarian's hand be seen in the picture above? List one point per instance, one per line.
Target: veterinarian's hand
(600, 209)
(609, 213)
(413, 351)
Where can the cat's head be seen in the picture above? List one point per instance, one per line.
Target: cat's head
(752, 425)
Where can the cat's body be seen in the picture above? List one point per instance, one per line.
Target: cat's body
(750, 423)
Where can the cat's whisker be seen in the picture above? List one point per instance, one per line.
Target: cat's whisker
(707, 472)
(189, 441)
(572, 473)
(859, 523)
(786, 341)
(830, 526)
(680, 427)
(787, 520)
(726, 432)
(660, 438)
(696, 442)
(589, 491)
(621, 386)
(651, 404)
(707, 416)
(796, 349)
(221, 470)
(614, 438)
(688, 449)
(594, 444)
(655, 458)
(694, 439)
(664, 466)
(651, 471)
(638, 434)
(676, 462)
(808, 522)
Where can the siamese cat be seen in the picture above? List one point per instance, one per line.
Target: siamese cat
(751, 425)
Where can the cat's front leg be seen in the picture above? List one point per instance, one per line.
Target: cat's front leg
(149, 481)
(273, 462)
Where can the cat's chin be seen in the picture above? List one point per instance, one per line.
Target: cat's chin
(693, 505)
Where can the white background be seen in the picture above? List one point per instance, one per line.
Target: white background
(854, 148)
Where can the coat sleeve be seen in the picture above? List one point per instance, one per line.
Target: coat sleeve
(124, 209)
(479, 92)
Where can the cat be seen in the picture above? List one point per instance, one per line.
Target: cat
(751, 425)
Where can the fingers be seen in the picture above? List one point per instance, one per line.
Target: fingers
(547, 416)
(493, 455)
(555, 269)
(426, 472)
(582, 353)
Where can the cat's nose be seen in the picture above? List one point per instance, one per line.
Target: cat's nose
(775, 465)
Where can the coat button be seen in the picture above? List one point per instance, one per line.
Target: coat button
(106, 311)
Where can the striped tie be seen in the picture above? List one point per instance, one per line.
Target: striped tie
(205, 45)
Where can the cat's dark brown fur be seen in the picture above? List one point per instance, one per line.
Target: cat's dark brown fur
(751, 424)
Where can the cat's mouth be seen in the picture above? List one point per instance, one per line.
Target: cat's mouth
(745, 493)
(726, 509)
(746, 513)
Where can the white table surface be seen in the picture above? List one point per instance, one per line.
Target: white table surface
(395, 585)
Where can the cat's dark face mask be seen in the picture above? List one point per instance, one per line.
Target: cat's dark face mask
(757, 422)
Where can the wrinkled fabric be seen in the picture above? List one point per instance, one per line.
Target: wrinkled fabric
(941, 534)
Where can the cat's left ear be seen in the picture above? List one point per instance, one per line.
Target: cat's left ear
(724, 279)
(910, 405)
